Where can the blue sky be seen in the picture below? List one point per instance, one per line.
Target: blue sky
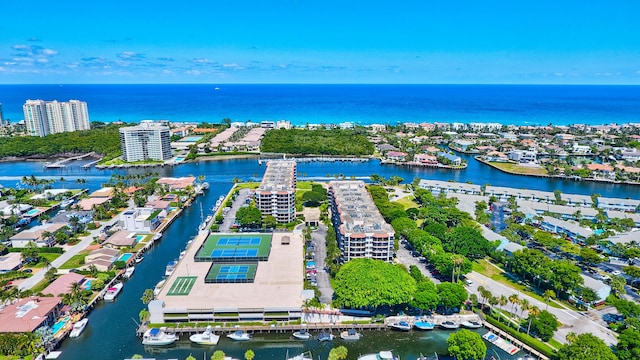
(312, 41)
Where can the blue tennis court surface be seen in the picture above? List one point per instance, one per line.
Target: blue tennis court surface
(233, 269)
(227, 253)
(231, 277)
(238, 241)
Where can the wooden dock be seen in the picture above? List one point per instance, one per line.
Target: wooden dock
(62, 163)
(517, 343)
(275, 329)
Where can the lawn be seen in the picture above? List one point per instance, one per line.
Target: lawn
(487, 269)
(49, 256)
(76, 260)
(519, 169)
(407, 202)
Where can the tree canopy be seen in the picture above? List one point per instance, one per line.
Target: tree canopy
(367, 283)
(316, 142)
(452, 294)
(249, 216)
(467, 345)
(467, 241)
(586, 346)
(545, 325)
(628, 347)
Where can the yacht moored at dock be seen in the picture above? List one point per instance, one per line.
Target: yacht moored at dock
(325, 336)
(113, 292)
(129, 272)
(78, 328)
(302, 334)
(423, 324)
(205, 338)
(239, 336)
(471, 324)
(382, 355)
(400, 326)
(449, 325)
(171, 266)
(350, 334)
(158, 337)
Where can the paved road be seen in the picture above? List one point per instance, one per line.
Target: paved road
(572, 321)
(319, 240)
(66, 256)
(403, 256)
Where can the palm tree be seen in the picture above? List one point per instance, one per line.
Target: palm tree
(548, 295)
(533, 312)
(249, 354)
(514, 300)
(524, 306)
(502, 301)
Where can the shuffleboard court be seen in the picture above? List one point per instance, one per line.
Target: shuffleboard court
(182, 286)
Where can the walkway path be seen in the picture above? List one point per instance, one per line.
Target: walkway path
(318, 237)
(66, 256)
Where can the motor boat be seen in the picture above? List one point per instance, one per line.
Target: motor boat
(472, 324)
(350, 334)
(423, 325)
(449, 325)
(157, 236)
(325, 336)
(171, 266)
(113, 292)
(158, 287)
(139, 259)
(382, 355)
(78, 327)
(129, 272)
(158, 337)
(205, 338)
(302, 334)
(400, 326)
(304, 356)
(239, 336)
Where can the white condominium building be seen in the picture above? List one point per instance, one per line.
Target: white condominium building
(51, 117)
(361, 229)
(149, 140)
(276, 195)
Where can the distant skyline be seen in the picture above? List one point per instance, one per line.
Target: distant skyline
(304, 41)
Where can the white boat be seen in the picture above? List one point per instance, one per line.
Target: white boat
(449, 325)
(239, 336)
(325, 336)
(302, 334)
(66, 203)
(78, 327)
(382, 355)
(472, 324)
(205, 185)
(182, 254)
(171, 266)
(158, 337)
(304, 356)
(129, 272)
(159, 285)
(208, 219)
(423, 325)
(205, 338)
(113, 291)
(350, 334)
(139, 259)
(400, 326)
(157, 236)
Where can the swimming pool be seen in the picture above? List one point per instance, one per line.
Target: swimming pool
(179, 159)
(191, 139)
(32, 212)
(125, 257)
(140, 238)
(58, 325)
(87, 284)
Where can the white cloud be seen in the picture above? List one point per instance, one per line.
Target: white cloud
(130, 55)
(232, 66)
(49, 52)
(202, 61)
(167, 72)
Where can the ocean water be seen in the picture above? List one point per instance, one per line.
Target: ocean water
(363, 104)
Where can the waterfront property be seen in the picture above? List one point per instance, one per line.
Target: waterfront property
(361, 229)
(276, 195)
(147, 141)
(28, 314)
(209, 284)
(36, 235)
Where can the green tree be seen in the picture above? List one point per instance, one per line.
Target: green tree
(137, 356)
(339, 353)
(147, 296)
(218, 355)
(467, 345)
(190, 357)
(467, 241)
(30, 253)
(545, 325)
(590, 256)
(617, 284)
(451, 295)
(586, 346)
(143, 315)
(249, 355)
(426, 296)
(628, 347)
(270, 222)
(632, 271)
(51, 274)
(249, 216)
(548, 295)
(372, 283)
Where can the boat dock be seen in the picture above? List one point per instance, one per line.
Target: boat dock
(62, 163)
(228, 328)
(89, 165)
(508, 343)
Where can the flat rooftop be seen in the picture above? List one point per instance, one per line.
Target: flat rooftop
(278, 281)
(279, 176)
(358, 213)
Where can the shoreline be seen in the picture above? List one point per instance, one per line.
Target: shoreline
(559, 177)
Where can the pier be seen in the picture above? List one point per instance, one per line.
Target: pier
(62, 163)
(228, 328)
(89, 165)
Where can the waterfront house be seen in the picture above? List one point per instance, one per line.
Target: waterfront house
(396, 155)
(122, 238)
(102, 259)
(89, 203)
(425, 159)
(162, 205)
(62, 285)
(496, 156)
(463, 145)
(27, 314)
(37, 235)
(84, 217)
(145, 219)
(522, 156)
(180, 183)
(602, 170)
(453, 160)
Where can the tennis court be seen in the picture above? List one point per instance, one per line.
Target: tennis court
(231, 273)
(182, 286)
(235, 247)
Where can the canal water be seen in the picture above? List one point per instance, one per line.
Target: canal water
(110, 333)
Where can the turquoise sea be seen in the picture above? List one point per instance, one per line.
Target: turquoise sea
(363, 104)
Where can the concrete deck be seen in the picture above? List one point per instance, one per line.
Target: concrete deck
(278, 282)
